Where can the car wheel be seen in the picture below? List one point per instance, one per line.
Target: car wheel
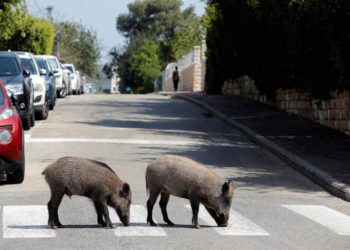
(26, 123)
(43, 114)
(52, 105)
(32, 118)
(63, 92)
(18, 176)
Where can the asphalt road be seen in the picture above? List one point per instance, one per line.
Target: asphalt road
(274, 206)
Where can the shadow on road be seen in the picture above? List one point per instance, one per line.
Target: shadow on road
(250, 168)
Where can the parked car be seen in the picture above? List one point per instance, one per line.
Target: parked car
(12, 152)
(83, 85)
(79, 81)
(17, 82)
(55, 65)
(49, 78)
(67, 79)
(73, 78)
(41, 102)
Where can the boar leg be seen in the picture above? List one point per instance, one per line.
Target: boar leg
(195, 210)
(100, 220)
(150, 203)
(102, 206)
(52, 207)
(163, 203)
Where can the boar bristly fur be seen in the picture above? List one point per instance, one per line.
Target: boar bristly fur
(185, 178)
(92, 179)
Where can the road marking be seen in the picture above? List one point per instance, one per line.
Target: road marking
(141, 142)
(26, 222)
(26, 137)
(138, 223)
(238, 224)
(327, 217)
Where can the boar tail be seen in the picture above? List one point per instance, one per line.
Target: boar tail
(44, 172)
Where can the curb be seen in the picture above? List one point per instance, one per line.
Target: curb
(312, 172)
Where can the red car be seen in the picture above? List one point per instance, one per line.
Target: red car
(12, 163)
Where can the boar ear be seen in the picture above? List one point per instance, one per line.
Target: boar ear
(225, 187)
(126, 189)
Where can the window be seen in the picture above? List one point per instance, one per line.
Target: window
(40, 63)
(70, 68)
(29, 65)
(53, 63)
(9, 66)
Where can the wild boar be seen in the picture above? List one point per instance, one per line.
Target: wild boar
(92, 179)
(185, 178)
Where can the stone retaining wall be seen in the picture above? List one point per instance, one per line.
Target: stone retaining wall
(334, 113)
(191, 72)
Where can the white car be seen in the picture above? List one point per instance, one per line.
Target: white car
(74, 78)
(41, 103)
(55, 65)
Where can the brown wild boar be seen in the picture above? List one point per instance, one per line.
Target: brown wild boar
(93, 179)
(185, 178)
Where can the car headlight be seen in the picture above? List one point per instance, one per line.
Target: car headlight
(38, 87)
(5, 114)
(14, 88)
(5, 136)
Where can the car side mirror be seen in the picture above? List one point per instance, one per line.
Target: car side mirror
(50, 73)
(43, 72)
(26, 73)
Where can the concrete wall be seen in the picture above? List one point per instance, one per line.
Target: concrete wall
(191, 68)
(334, 113)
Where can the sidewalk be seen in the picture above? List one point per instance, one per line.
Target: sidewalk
(320, 153)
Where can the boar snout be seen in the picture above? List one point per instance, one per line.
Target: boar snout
(125, 220)
(223, 220)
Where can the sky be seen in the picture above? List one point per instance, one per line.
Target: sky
(99, 15)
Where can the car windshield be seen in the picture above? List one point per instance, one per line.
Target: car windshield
(70, 68)
(41, 63)
(53, 63)
(8, 66)
(29, 65)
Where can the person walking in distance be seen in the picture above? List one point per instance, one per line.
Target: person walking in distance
(176, 78)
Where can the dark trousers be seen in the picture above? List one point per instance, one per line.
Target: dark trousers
(176, 84)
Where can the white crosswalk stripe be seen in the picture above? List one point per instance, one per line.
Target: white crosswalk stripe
(26, 222)
(327, 217)
(138, 225)
(238, 224)
(31, 222)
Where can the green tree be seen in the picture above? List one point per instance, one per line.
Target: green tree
(173, 31)
(145, 65)
(78, 45)
(35, 35)
(11, 15)
(21, 31)
(279, 43)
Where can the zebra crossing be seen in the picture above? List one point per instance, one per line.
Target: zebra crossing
(31, 222)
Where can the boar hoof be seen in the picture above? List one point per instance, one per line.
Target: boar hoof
(152, 223)
(197, 226)
(102, 224)
(111, 226)
(170, 223)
